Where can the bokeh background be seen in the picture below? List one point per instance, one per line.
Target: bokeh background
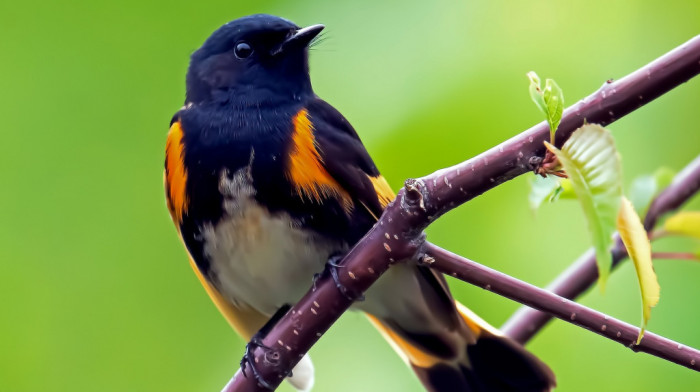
(95, 289)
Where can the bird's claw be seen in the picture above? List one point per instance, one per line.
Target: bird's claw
(333, 265)
(248, 361)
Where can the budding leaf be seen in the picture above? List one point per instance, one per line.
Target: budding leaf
(536, 92)
(591, 161)
(638, 247)
(684, 223)
(549, 100)
(554, 100)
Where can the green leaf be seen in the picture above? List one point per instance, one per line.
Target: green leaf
(642, 191)
(550, 101)
(591, 161)
(644, 188)
(639, 249)
(541, 189)
(685, 223)
(664, 176)
(566, 189)
(549, 189)
(536, 92)
(556, 194)
(554, 100)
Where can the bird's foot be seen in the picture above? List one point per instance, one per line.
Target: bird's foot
(249, 361)
(333, 267)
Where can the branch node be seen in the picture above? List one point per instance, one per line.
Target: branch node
(414, 196)
(426, 259)
(534, 163)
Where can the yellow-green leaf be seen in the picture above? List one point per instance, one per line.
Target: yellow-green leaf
(684, 223)
(639, 249)
(591, 161)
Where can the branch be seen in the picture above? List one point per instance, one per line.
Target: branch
(572, 312)
(675, 256)
(581, 275)
(398, 234)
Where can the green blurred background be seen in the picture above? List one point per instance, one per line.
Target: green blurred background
(96, 290)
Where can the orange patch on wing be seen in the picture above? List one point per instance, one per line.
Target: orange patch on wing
(305, 169)
(476, 323)
(175, 173)
(384, 192)
(409, 353)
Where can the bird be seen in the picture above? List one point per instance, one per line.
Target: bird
(266, 183)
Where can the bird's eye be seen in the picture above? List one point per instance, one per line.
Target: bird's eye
(242, 50)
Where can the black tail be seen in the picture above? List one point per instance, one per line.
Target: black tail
(493, 364)
(488, 361)
(450, 348)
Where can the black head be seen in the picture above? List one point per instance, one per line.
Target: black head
(255, 58)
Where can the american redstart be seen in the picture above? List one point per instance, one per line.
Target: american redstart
(266, 182)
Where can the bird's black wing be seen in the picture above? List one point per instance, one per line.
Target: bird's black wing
(349, 163)
(346, 159)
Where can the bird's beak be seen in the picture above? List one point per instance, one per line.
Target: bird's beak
(300, 39)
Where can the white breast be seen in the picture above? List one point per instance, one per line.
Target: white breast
(256, 258)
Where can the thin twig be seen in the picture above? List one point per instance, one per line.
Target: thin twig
(675, 256)
(397, 235)
(572, 312)
(581, 275)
